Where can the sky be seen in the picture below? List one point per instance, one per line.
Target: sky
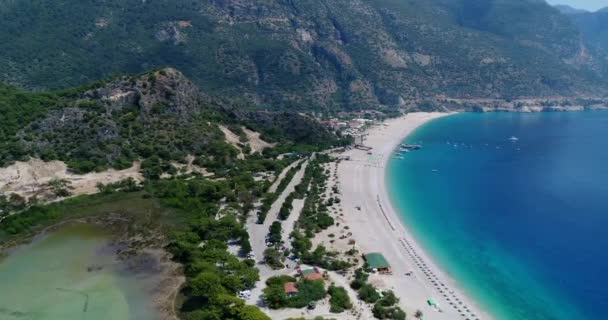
(591, 5)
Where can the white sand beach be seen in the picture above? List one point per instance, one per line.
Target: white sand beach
(376, 227)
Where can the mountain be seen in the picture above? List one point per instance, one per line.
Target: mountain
(306, 54)
(159, 117)
(594, 29)
(565, 9)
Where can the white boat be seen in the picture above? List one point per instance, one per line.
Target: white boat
(514, 138)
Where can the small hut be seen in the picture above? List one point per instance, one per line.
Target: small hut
(377, 261)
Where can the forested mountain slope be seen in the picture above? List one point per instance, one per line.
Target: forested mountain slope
(285, 54)
(594, 27)
(159, 117)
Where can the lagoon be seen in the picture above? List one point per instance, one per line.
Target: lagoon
(72, 274)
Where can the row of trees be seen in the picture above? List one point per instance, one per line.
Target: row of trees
(271, 197)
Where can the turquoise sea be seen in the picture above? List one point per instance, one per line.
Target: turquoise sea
(521, 225)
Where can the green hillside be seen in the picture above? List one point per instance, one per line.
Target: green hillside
(160, 117)
(304, 54)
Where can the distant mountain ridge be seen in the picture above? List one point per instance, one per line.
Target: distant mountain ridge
(308, 54)
(594, 29)
(566, 9)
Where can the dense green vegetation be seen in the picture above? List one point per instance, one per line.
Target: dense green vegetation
(385, 303)
(339, 301)
(315, 215)
(305, 54)
(129, 203)
(201, 217)
(308, 291)
(214, 275)
(314, 218)
(271, 197)
(18, 108)
(93, 134)
(386, 307)
(159, 117)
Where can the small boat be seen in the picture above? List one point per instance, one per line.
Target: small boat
(399, 157)
(411, 146)
(514, 138)
(435, 170)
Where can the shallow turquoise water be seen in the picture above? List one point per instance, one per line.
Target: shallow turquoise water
(52, 279)
(521, 225)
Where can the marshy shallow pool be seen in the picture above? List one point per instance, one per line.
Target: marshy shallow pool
(72, 274)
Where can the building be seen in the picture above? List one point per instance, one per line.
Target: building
(377, 262)
(312, 274)
(290, 288)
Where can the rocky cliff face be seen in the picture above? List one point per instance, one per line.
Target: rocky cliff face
(165, 91)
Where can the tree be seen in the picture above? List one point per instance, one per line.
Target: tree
(386, 308)
(273, 258)
(252, 313)
(275, 297)
(393, 313)
(339, 300)
(368, 293)
(275, 232)
(60, 187)
(308, 291)
(360, 279)
(388, 299)
(207, 285)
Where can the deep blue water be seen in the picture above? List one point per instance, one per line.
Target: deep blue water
(521, 225)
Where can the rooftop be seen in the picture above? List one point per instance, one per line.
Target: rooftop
(376, 261)
(290, 287)
(306, 272)
(314, 276)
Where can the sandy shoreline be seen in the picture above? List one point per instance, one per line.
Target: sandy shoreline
(378, 228)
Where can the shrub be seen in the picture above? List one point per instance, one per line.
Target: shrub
(386, 308)
(339, 300)
(308, 291)
(368, 293)
(273, 258)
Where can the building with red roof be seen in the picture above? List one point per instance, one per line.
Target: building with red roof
(290, 288)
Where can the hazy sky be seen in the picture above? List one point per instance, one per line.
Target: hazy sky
(590, 5)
